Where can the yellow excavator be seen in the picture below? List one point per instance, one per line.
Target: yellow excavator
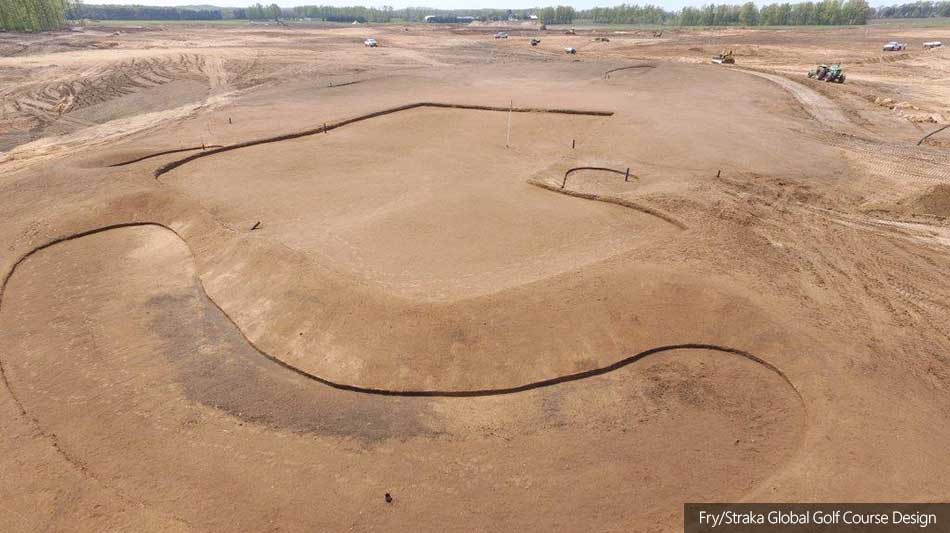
(724, 58)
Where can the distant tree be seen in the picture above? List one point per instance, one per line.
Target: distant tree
(920, 9)
(256, 12)
(856, 12)
(74, 9)
(556, 15)
(749, 14)
(32, 15)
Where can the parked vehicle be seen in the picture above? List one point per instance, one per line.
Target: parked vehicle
(570, 50)
(535, 42)
(501, 35)
(370, 43)
(895, 46)
(933, 44)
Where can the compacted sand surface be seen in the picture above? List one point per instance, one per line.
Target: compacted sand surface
(261, 277)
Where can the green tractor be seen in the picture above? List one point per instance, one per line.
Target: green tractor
(832, 73)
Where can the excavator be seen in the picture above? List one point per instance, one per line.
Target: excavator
(724, 58)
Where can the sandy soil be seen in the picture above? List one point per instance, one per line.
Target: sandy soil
(246, 288)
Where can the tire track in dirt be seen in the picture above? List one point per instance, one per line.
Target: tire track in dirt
(890, 161)
(48, 102)
(820, 107)
(213, 68)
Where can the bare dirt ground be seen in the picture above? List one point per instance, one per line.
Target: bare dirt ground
(250, 284)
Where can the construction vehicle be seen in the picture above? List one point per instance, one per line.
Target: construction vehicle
(570, 31)
(535, 42)
(833, 73)
(895, 46)
(724, 58)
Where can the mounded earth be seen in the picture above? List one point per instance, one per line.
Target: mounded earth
(217, 316)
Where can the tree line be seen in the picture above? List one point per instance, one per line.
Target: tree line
(556, 15)
(825, 13)
(914, 10)
(32, 15)
(345, 14)
(548, 15)
(110, 12)
(258, 12)
(40, 15)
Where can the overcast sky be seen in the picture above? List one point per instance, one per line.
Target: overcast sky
(456, 4)
(442, 4)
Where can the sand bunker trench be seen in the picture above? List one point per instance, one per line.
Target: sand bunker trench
(577, 376)
(631, 67)
(428, 204)
(623, 202)
(153, 368)
(163, 152)
(931, 134)
(345, 84)
(625, 173)
(326, 127)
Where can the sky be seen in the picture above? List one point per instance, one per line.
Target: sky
(440, 4)
(671, 5)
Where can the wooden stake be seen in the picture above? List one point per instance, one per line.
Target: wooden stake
(627, 176)
(511, 106)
